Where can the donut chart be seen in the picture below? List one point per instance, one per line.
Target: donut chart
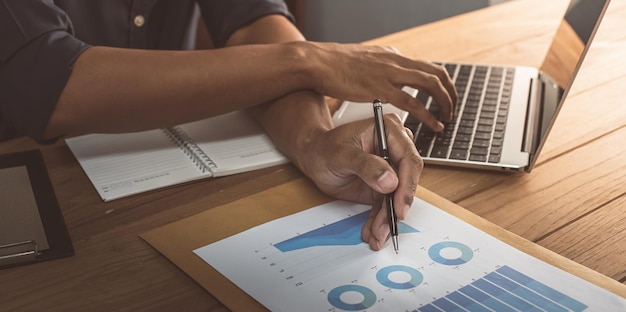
(383, 277)
(435, 253)
(369, 297)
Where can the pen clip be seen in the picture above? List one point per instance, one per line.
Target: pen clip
(381, 134)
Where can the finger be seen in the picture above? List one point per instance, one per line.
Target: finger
(367, 234)
(408, 161)
(433, 79)
(409, 133)
(447, 112)
(433, 69)
(433, 85)
(443, 76)
(417, 109)
(449, 85)
(376, 231)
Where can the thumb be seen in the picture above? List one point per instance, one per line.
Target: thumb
(375, 172)
(386, 182)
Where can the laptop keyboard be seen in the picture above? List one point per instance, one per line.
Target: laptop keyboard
(477, 131)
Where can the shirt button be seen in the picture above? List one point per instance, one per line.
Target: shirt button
(139, 20)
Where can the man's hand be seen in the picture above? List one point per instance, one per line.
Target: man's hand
(342, 162)
(360, 73)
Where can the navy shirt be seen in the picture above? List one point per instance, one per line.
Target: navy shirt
(41, 39)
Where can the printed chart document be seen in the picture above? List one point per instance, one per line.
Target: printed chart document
(314, 260)
(120, 165)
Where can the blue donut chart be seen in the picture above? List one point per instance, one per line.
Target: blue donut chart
(369, 298)
(434, 252)
(383, 277)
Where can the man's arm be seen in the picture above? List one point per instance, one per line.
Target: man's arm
(119, 90)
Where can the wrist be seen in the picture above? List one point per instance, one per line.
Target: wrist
(306, 147)
(300, 56)
(296, 123)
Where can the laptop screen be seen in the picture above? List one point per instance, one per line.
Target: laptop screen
(573, 35)
(563, 60)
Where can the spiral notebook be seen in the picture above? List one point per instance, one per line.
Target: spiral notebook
(121, 165)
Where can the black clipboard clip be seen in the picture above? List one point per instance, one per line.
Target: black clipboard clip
(19, 252)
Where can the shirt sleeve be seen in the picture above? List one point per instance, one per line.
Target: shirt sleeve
(225, 17)
(36, 56)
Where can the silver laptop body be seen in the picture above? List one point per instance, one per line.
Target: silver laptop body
(504, 113)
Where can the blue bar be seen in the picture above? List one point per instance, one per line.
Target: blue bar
(524, 293)
(466, 303)
(429, 308)
(504, 296)
(446, 305)
(543, 289)
(484, 299)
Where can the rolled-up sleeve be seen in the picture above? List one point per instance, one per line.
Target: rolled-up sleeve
(225, 17)
(36, 57)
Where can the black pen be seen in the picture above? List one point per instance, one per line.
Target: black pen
(384, 153)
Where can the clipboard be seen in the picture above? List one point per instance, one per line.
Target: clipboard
(32, 228)
(176, 241)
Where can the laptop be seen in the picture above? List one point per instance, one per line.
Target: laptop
(504, 113)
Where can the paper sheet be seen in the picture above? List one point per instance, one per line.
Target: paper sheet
(315, 261)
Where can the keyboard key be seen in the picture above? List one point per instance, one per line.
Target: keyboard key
(470, 110)
(494, 158)
(467, 121)
(450, 68)
(496, 150)
(463, 137)
(465, 130)
(480, 143)
(485, 122)
(482, 136)
(442, 141)
(489, 108)
(461, 145)
(485, 129)
(439, 152)
(480, 158)
(498, 134)
(491, 115)
(460, 154)
(479, 151)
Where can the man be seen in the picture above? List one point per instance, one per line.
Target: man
(71, 67)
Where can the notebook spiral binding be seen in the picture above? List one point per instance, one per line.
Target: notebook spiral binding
(189, 147)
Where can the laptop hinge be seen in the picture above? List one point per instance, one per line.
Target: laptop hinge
(535, 99)
(550, 96)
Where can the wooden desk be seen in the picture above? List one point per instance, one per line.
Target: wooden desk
(574, 201)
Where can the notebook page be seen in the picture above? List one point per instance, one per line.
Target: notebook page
(120, 165)
(234, 142)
